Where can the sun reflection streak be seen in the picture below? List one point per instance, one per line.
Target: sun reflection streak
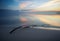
(50, 21)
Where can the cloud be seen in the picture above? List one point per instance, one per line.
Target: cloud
(51, 5)
(24, 4)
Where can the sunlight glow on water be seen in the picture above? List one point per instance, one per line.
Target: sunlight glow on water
(48, 19)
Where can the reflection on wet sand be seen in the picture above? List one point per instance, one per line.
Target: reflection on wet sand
(48, 19)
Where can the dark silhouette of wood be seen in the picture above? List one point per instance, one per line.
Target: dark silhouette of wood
(15, 29)
(18, 28)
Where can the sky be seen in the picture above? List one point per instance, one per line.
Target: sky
(32, 5)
